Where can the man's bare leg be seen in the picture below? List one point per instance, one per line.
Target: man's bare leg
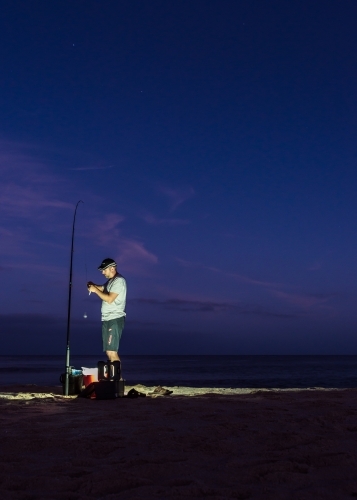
(112, 356)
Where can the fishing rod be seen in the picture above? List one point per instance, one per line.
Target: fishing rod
(66, 384)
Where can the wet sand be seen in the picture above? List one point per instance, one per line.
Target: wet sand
(203, 443)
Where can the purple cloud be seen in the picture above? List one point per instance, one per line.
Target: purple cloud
(133, 256)
(128, 252)
(37, 209)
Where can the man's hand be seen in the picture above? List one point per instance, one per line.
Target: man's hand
(99, 290)
(92, 287)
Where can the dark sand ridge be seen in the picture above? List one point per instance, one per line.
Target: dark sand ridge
(263, 444)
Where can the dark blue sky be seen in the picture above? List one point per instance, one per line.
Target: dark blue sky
(214, 147)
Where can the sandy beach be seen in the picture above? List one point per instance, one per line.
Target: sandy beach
(203, 443)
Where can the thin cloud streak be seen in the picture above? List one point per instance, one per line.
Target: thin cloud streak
(27, 187)
(23, 202)
(210, 306)
(152, 220)
(80, 169)
(12, 241)
(303, 301)
(239, 277)
(177, 196)
(44, 269)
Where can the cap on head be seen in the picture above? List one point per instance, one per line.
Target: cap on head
(107, 263)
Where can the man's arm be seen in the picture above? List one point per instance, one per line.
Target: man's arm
(107, 297)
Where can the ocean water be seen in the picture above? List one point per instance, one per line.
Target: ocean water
(196, 371)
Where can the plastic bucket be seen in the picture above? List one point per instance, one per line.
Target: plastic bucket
(88, 379)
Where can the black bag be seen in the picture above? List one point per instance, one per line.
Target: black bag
(75, 383)
(102, 390)
(105, 389)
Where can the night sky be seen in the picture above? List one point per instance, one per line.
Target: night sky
(213, 144)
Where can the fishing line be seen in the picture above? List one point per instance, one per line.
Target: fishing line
(85, 265)
(85, 316)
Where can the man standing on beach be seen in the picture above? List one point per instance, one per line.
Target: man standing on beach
(113, 295)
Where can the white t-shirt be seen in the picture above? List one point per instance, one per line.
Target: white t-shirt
(117, 308)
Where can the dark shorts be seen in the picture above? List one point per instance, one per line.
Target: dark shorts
(111, 333)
